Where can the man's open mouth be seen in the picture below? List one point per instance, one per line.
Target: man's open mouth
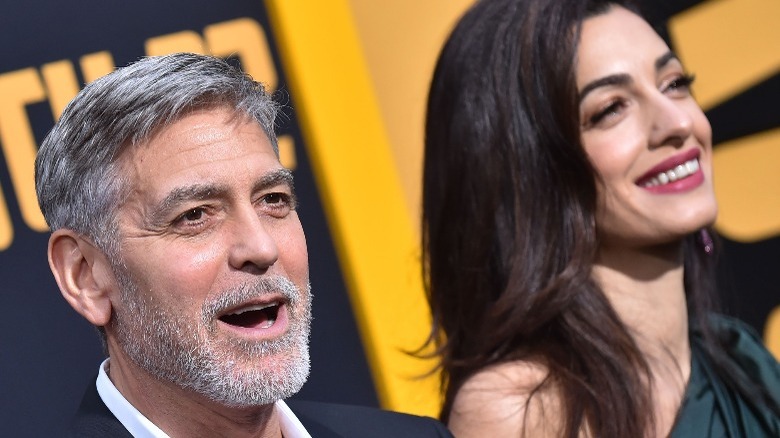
(261, 316)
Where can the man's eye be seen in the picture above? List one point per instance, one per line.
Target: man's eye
(274, 198)
(279, 200)
(277, 204)
(193, 215)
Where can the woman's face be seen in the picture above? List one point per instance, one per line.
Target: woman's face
(643, 132)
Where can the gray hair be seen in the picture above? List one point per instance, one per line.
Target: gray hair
(76, 174)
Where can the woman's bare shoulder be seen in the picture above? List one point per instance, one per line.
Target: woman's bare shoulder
(506, 400)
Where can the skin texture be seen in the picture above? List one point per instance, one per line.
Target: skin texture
(183, 256)
(627, 128)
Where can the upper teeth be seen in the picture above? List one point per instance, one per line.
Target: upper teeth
(252, 308)
(679, 172)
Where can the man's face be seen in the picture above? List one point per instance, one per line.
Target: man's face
(213, 270)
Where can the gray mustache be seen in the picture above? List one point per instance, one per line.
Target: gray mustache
(251, 290)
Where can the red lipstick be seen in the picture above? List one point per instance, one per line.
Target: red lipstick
(678, 173)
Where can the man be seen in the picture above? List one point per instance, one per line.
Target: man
(174, 231)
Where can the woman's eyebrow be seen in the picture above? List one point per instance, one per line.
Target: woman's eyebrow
(624, 79)
(664, 59)
(616, 79)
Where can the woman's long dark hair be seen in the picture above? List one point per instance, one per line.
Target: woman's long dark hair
(509, 233)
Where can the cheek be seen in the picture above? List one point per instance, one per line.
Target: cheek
(613, 157)
(293, 253)
(287, 235)
(202, 259)
(178, 270)
(607, 202)
(702, 129)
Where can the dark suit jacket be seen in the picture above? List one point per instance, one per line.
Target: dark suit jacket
(322, 420)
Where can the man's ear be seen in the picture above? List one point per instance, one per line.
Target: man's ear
(83, 274)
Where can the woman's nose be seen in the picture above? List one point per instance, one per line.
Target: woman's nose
(671, 122)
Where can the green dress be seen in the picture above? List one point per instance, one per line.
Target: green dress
(710, 407)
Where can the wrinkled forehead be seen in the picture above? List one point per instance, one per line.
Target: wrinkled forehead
(144, 138)
(204, 145)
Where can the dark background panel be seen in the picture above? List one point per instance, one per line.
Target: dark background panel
(748, 112)
(746, 276)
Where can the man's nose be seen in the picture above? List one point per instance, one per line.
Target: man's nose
(252, 247)
(671, 122)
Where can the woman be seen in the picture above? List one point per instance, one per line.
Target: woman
(567, 202)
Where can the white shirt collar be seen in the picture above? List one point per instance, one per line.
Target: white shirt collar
(140, 426)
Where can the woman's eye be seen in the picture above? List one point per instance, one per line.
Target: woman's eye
(681, 84)
(609, 111)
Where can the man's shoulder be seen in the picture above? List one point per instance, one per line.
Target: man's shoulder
(321, 420)
(337, 420)
(93, 419)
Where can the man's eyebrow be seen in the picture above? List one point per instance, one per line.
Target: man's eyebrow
(201, 192)
(179, 195)
(275, 178)
(616, 79)
(278, 177)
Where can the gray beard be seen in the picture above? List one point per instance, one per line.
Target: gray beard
(236, 373)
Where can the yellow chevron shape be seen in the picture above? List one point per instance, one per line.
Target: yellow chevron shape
(772, 332)
(747, 184)
(729, 44)
(363, 198)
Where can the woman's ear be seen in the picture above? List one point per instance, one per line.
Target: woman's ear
(83, 274)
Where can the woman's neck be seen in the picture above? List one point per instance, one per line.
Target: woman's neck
(645, 287)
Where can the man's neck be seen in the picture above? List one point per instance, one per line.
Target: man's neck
(182, 413)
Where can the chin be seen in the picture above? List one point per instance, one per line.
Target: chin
(701, 219)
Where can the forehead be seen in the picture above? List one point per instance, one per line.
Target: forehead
(204, 145)
(616, 41)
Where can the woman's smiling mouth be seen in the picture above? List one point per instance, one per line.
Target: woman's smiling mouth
(679, 173)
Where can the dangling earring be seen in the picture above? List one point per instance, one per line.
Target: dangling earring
(705, 240)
